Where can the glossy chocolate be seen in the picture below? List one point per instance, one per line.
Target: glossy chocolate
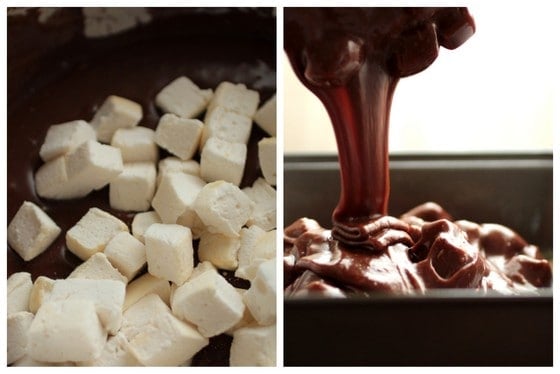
(352, 60)
(55, 75)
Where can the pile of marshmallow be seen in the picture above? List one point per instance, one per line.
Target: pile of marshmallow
(137, 299)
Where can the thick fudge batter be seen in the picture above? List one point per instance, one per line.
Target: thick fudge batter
(352, 60)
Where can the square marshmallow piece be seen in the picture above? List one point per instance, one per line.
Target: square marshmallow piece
(172, 163)
(40, 291)
(260, 298)
(264, 197)
(256, 248)
(142, 221)
(235, 97)
(180, 136)
(222, 160)
(267, 159)
(223, 208)
(183, 98)
(227, 125)
(16, 333)
(266, 116)
(134, 188)
(31, 231)
(127, 254)
(219, 249)
(65, 137)
(136, 144)
(92, 233)
(158, 338)
(169, 252)
(116, 112)
(144, 285)
(66, 330)
(18, 291)
(254, 346)
(97, 267)
(175, 196)
(209, 302)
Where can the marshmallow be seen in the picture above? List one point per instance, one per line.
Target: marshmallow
(144, 285)
(18, 291)
(183, 98)
(65, 137)
(134, 188)
(97, 267)
(246, 320)
(136, 144)
(16, 333)
(174, 198)
(107, 296)
(169, 252)
(223, 208)
(116, 352)
(176, 164)
(116, 112)
(219, 249)
(222, 160)
(265, 116)
(156, 337)
(31, 231)
(209, 302)
(253, 346)
(180, 136)
(40, 291)
(267, 159)
(260, 298)
(127, 254)
(264, 197)
(226, 125)
(142, 221)
(255, 248)
(92, 233)
(93, 165)
(66, 330)
(235, 97)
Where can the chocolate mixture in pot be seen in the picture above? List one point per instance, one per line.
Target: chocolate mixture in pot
(352, 60)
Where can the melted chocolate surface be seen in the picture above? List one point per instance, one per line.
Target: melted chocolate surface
(55, 75)
(352, 60)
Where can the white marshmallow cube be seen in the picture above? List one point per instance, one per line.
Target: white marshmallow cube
(172, 163)
(264, 197)
(267, 159)
(116, 112)
(66, 330)
(127, 254)
(180, 136)
(265, 116)
(246, 320)
(219, 249)
(51, 181)
(97, 266)
(255, 249)
(254, 346)
(169, 252)
(226, 125)
(183, 98)
(144, 285)
(174, 198)
(17, 333)
(93, 165)
(115, 353)
(235, 97)
(223, 160)
(156, 337)
(107, 296)
(260, 298)
(18, 291)
(142, 221)
(65, 137)
(136, 144)
(209, 302)
(40, 291)
(134, 188)
(92, 233)
(31, 231)
(223, 208)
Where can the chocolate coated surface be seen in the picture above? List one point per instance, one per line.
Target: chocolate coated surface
(56, 75)
(352, 60)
